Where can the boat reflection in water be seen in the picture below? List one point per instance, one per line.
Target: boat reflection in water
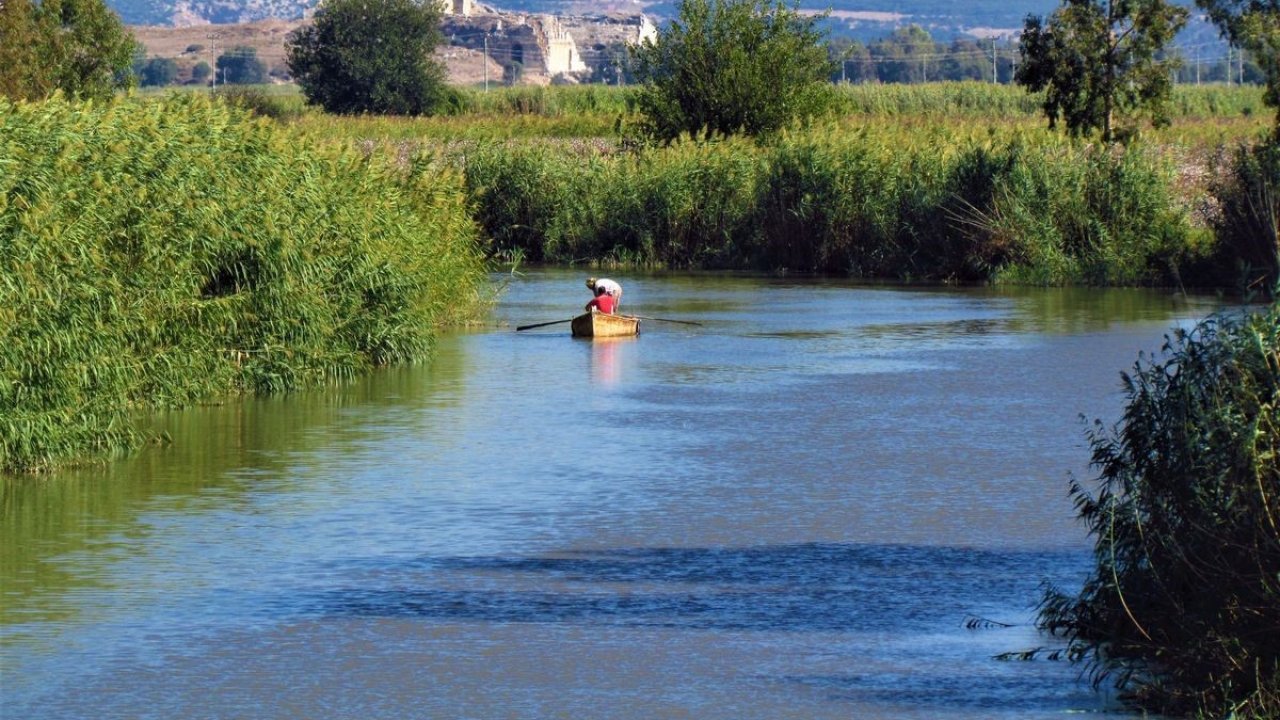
(607, 359)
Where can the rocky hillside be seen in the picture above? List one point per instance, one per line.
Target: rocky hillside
(861, 18)
(194, 44)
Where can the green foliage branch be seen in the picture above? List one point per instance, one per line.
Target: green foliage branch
(1182, 609)
(77, 47)
(729, 67)
(1247, 224)
(371, 56)
(1100, 60)
(1255, 26)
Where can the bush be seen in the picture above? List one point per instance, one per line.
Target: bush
(1093, 216)
(1182, 611)
(886, 205)
(260, 103)
(157, 72)
(1248, 227)
(727, 67)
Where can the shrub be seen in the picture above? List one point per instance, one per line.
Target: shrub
(258, 102)
(158, 71)
(727, 67)
(1091, 215)
(1182, 610)
(1248, 226)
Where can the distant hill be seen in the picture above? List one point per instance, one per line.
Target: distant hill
(873, 18)
(865, 20)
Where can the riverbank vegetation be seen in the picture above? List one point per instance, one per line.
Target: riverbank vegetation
(161, 253)
(947, 183)
(867, 201)
(950, 182)
(1182, 611)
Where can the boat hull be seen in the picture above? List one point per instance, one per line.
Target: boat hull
(599, 325)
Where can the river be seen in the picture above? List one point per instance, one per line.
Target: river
(825, 501)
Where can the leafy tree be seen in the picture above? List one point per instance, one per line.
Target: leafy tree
(157, 72)
(17, 53)
(1096, 59)
(512, 72)
(904, 56)
(77, 46)
(241, 66)
(726, 67)
(201, 71)
(612, 65)
(966, 60)
(1255, 26)
(371, 56)
(851, 60)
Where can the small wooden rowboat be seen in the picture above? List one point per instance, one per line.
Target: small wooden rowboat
(598, 324)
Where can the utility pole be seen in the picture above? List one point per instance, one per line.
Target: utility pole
(213, 37)
(486, 63)
(995, 75)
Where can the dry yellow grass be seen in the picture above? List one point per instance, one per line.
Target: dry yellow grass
(267, 38)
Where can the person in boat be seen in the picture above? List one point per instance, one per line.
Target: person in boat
(603, 302)
(612, 288)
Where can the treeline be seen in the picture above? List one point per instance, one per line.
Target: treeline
(912, 55)
(238, 66)
(161, 253)
(909, 55)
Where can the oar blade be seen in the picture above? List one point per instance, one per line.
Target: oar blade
(538, 325)
(682, 322)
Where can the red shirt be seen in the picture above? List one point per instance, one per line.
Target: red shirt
(603, 302)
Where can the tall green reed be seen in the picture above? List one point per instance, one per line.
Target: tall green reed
(1247, 223)
(875, 202)
(1182, 609)
(160, 253)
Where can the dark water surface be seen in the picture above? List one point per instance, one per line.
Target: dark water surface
(788, 512)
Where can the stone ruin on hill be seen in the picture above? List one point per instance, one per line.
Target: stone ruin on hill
(546, 47)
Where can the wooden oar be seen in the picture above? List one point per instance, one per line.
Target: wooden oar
(537, 325)
(682, 322)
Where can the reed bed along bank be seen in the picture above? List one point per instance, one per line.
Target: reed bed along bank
(161, 253)
(951, 182)
(166, 250)
(1202, 113)
(872, 201)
